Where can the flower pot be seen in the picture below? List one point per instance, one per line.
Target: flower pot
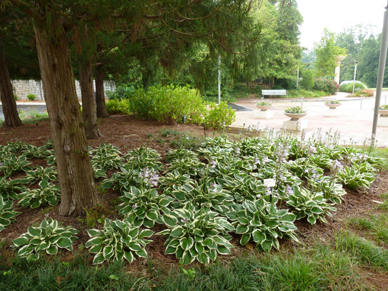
(295, 116)
(264, 107)
(383, 113)
(333, 106)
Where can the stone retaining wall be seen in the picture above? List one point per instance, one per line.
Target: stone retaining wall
(24, 87)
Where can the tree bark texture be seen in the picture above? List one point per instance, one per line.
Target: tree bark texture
(11, 116)
(75, 172)
(102, 112)
(89, 113)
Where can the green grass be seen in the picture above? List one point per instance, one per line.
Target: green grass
(376, 225)
(318, 268)
(364, 251)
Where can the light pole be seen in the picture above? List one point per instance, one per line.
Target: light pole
(355, 72)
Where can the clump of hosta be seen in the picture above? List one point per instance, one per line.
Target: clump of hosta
(331, 190)
(9, 189)
(205, 193)
(32, 151)
(262, 222)
(308, 204)
(220, 141)
(46, 194)
(13, 164)
(106, 156)
(128, 177)
(143, 158)
(143, 207)
(180, 154)
(191, 166)
(321, 160)
(7, 213)
(48, 237)
(51, 159)
(355, 179)
(304, 168)
(243, 186)
(39, 173)
(118, 241)
(174, 180)
(196, 234)
(216, 153)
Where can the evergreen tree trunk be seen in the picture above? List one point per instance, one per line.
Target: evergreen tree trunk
(75, 172)
(102, 112)
(88, 107)
(11, 116)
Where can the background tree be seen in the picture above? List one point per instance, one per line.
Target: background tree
(326, 52)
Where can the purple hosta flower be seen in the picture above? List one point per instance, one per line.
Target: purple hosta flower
(47, 215)
(184, 220)
(338, 164)
(282, 178)
(312, 150)
(213, 163)
(135, 206)
(265, 160)
(257, 161)
(238, 151)
(213, 187)
(90, 152)
(268, 191)
(289, 191)
(258, 196)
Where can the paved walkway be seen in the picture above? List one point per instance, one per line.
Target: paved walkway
(354, 124)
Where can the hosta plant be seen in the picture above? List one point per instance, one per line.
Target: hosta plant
(243, 187)
(13, 164)
(220, 141)
(48, 237)
(180, 154)
(40, 173)
(143, 207)
(174, 180)
(118, 241)
(32, 151)
(204, 194)
(191, 166)
(7, 213)
(196, 234)
(308, 204)
(9, 189)
(106, 156)
(142, 158)
(331, 190)
(352, 178)
(46, 194)
(262, 222)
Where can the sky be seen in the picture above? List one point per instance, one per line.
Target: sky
(336, 15)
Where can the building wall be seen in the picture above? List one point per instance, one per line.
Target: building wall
(24, 87)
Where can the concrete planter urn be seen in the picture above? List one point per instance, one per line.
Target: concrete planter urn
(383, 113)
(295, 116)
(333, 104)
(295, 113)
(264, 105)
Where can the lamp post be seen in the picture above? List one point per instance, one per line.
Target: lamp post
(355, 72)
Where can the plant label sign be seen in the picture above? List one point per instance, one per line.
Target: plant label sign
(269, 182)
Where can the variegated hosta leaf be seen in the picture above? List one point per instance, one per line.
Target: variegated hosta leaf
(47, 194)
(305, 203)
(48, 237)
(175, 180)
(39, 173)
(7, 213)
(353, 178)
(180, 154)
(328, 186)
(206, 194)
(13, 163)
(9, 189)
(142, 207)
(196, 234)
(187, 165)
(106, 157)
(262, 222)
(143, 158)
(118, 240)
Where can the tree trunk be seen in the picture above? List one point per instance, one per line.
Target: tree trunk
(11, 116)
(100, 96)
(88, 106)
(75, 172)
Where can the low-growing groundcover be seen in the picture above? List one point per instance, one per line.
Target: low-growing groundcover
(239, 212)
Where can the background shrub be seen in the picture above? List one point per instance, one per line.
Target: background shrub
(31, 97)
(116, 106)
(219, 116)
(307, 81)
(15, 96)
(348, 87)
(325, 84)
